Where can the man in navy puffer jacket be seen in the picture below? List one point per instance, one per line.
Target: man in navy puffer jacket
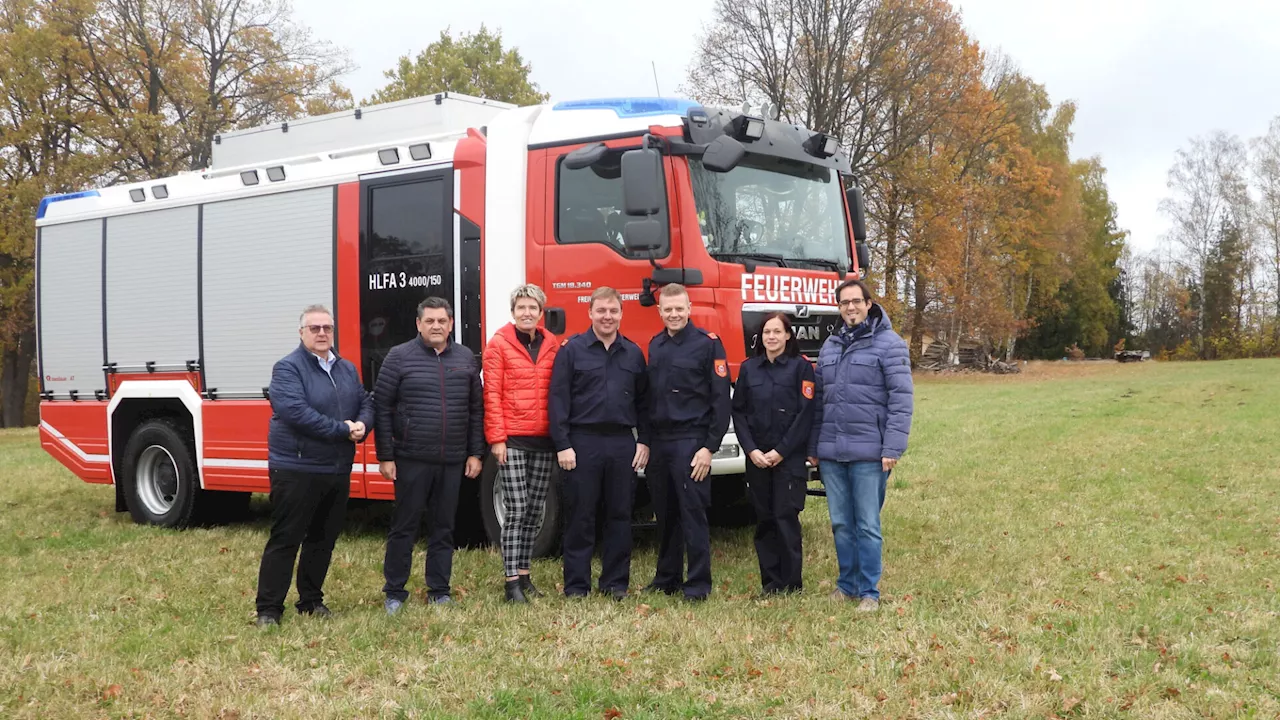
(429, 431)
(859, 432)
(320, 410)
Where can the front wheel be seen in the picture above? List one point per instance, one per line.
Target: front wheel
(493, 507)
(160, 482)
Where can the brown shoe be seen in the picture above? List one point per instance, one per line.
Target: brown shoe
(838, 594)
(868, 604)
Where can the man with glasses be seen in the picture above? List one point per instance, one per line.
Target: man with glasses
(429, 415)
(320, 410)
(860, 429)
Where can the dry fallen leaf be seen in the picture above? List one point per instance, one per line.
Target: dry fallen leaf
(112, 692)
(612, 713)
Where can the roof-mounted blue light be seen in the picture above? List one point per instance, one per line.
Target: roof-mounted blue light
(50, 199)
(632, 107)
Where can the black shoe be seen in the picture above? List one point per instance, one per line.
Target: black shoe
(651, 588)
(618, 594)
(696, 598)
(527, 586)
(319, 611)
(575, 595)
(514, 593)
(265, 621)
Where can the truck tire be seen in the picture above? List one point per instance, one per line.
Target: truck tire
(492, 507)
(161, 486)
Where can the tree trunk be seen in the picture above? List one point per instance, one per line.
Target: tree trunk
(917, 318)
(15, 378)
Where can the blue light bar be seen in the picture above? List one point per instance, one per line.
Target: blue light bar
(50, 199)
(632, 107)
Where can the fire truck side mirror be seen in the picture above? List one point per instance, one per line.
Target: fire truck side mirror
(864, 257)
(723, 154)
(857, 213)
(642, 186)
(585, 157)
(643, 235)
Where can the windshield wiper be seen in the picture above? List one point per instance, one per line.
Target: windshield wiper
(767, 257)
(819, 261)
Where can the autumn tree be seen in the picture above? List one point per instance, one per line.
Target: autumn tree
(98, 92)
(473, 64)
(1207, 186)
(42, 124)
(1265, 166)
(164, 77)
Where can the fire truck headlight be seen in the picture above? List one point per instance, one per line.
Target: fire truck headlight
(249, 177)
(275, 173)
(159, 192)
(389, 156)
(137, 194)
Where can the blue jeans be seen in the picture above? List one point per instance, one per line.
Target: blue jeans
(855, 494)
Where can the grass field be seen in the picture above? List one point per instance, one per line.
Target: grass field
(1079, 541)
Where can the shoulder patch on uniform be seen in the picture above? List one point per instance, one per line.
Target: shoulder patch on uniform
(806, 389)
(722, 368)
(564, 342)
(713, 336)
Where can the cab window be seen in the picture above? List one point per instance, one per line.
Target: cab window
(589, 206)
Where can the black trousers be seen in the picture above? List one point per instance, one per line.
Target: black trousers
(681, 506)
(778, 496)
(422, 486)
(604, 477)
(307, 509)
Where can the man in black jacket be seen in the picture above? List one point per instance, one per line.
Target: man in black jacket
(429, 431)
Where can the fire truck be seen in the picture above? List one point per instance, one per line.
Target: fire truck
(162, 305)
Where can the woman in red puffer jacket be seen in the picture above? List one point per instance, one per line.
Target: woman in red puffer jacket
(517, 382)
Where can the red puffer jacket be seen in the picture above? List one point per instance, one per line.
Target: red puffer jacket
(515, 388)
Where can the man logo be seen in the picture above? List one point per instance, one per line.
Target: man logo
(802, 311)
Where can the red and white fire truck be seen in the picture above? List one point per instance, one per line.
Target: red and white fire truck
(162, 305)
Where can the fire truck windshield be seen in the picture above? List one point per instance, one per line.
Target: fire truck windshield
(773, 210)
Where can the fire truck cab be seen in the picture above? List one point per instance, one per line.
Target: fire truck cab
(162, 305)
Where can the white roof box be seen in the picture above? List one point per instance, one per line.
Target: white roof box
(413, 118)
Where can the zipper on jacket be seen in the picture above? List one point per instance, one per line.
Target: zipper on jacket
(444, 409)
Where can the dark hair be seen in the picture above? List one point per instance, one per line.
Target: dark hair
(853, 282)
(792, 348)
(435, 303)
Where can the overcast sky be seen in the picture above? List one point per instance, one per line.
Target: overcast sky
(1147, 75)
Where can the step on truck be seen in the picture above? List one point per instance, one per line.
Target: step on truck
(162, 305)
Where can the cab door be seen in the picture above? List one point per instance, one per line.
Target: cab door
(583, 248)
(407, 253)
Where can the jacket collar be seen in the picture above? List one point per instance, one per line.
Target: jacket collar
(425, 346)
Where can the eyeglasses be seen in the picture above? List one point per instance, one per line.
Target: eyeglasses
(855, 302)
(317, 329)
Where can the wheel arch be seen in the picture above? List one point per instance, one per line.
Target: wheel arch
(137, 401)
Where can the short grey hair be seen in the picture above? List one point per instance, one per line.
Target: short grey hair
(312, 309)
(531, 291)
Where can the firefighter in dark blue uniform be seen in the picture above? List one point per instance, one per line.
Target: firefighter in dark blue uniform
(598, 397)
(773, 410)
(689, 411)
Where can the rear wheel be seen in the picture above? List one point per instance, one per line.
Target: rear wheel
(160, 482)
(493, 507)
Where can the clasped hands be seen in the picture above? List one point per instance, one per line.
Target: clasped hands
(357, 430)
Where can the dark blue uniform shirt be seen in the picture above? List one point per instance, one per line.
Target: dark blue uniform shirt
(598, 390)
(689, 386)
(773, 406)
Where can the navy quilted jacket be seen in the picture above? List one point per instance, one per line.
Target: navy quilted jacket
(865, 393)
(429, 406)
(308, 407)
